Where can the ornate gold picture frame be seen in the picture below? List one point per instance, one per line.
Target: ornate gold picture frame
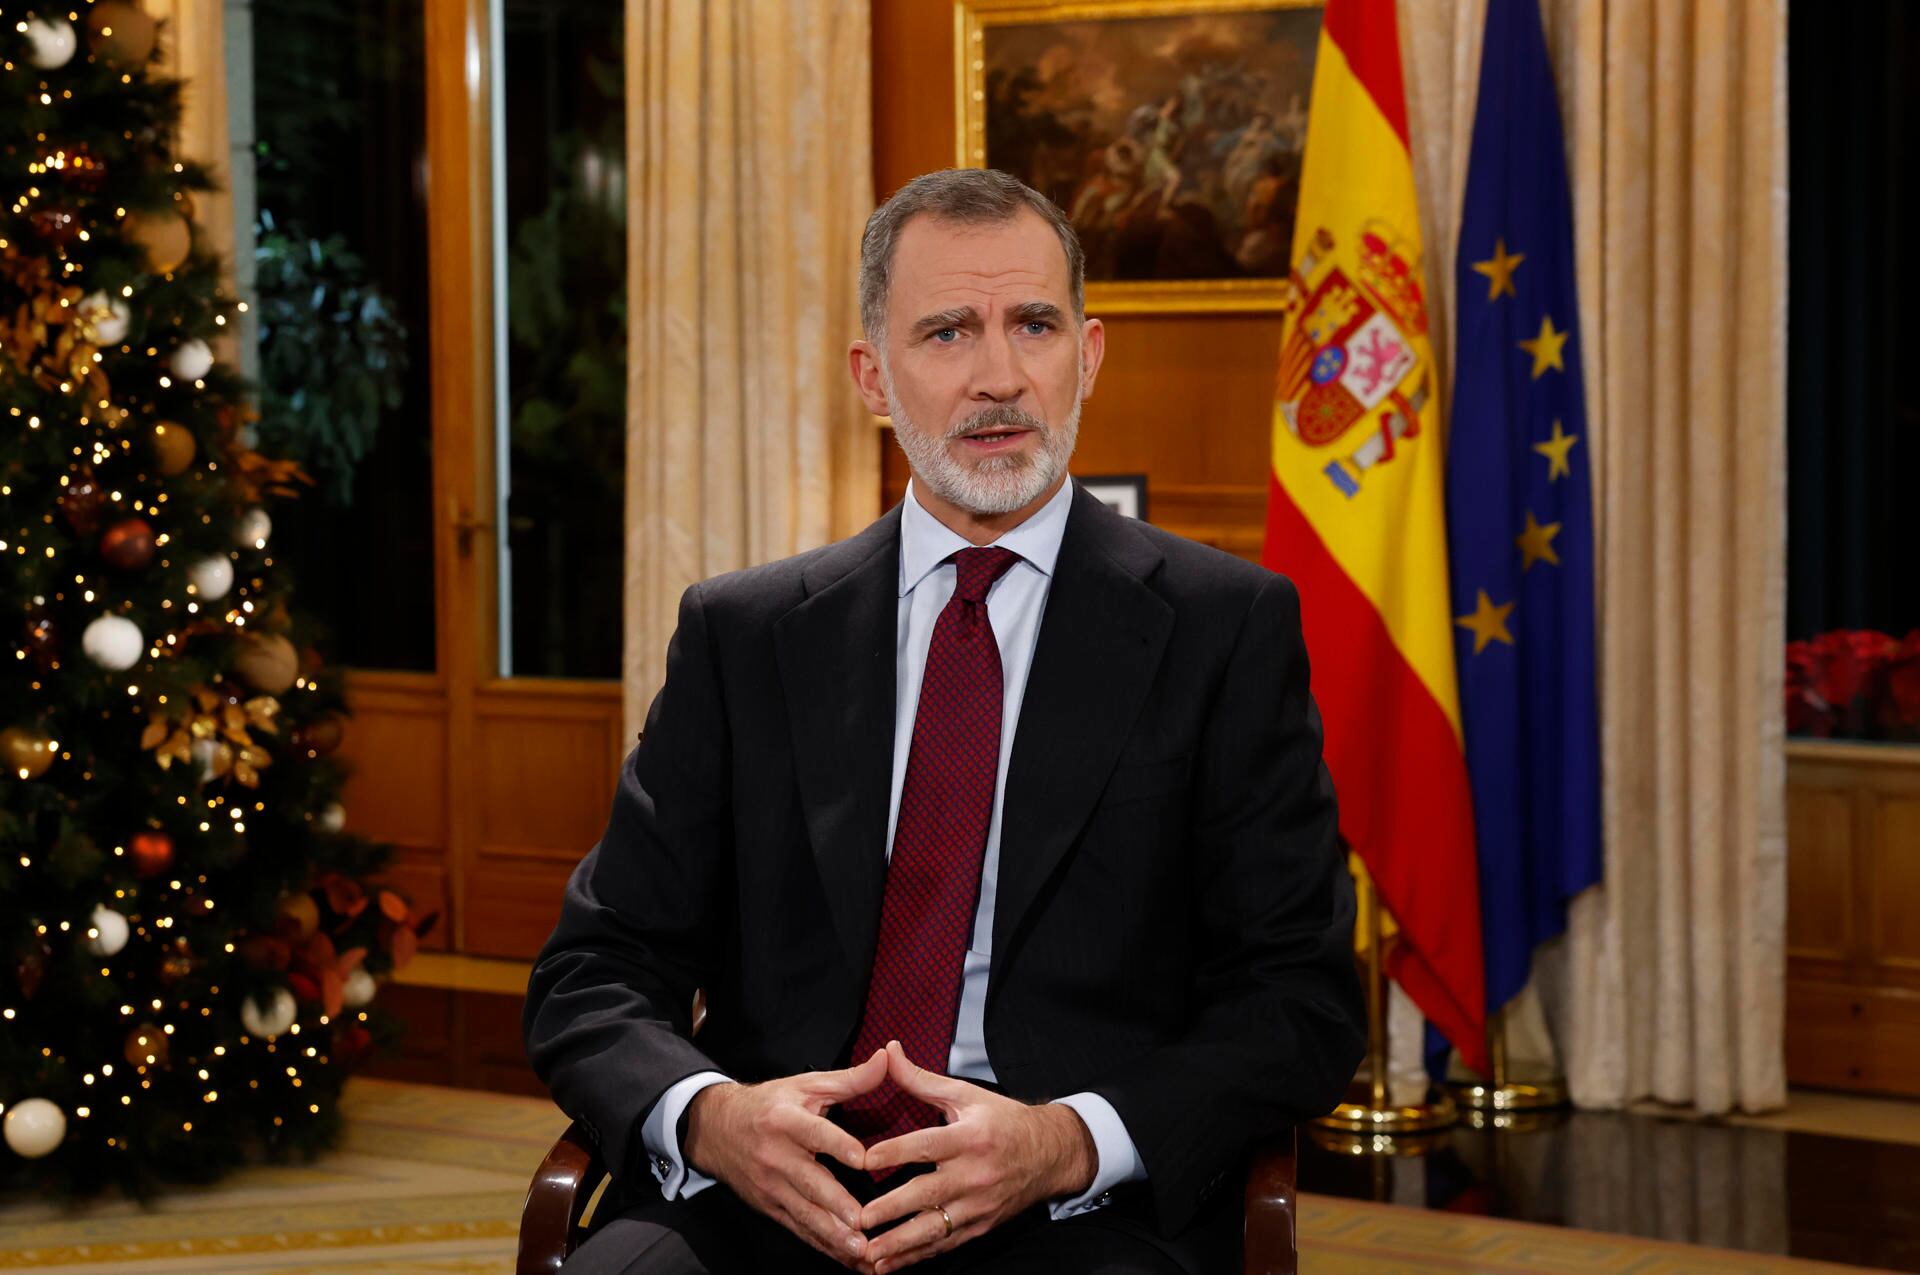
(1170, 131)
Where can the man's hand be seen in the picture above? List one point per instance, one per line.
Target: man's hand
(761, 1141)
(994, 1158)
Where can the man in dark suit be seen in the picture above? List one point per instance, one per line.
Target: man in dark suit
(997, 838)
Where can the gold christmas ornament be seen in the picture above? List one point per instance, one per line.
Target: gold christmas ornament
(120, 34)
(267, 663)
(27, 751)
(173, 447)
(146, 1046)
(302, 911)
(166, 236)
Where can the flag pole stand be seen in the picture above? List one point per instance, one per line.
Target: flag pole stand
(1369, 1122)
(1509, 1099)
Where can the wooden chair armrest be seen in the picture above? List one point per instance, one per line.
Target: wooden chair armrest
(1270, 1232)
(550, 1219)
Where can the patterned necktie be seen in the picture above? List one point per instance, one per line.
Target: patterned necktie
(939, 840)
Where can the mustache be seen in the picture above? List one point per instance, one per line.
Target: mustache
(999, 416)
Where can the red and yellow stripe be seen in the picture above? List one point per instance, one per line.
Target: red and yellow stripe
(1367, 547)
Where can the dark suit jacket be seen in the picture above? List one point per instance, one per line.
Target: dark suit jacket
(1174, 920)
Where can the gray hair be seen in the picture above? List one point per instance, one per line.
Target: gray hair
(967, 197)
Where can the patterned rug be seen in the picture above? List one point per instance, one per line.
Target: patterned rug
(431, 1180)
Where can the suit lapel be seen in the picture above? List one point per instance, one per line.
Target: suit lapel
(836, 653)
(1101, 641)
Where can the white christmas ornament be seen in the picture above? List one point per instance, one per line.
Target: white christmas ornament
(333, 817)
(35, 1127)
(104, 319)
(203, 751)
(192, 361)
(211, 577)
(252, 530)
(358, 988)
(53, 42)
(269, 1020)
(113, 642)
(110, 931)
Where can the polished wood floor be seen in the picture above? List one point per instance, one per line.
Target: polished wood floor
(1835, 1178)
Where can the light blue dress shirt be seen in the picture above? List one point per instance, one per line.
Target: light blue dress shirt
(1014, 607)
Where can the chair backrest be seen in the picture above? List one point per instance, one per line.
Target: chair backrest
(550, 1220)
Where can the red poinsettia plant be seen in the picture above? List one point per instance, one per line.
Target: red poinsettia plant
(1855, 684)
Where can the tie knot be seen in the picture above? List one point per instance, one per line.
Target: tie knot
(977, 569)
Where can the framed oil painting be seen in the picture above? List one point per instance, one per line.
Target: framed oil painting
(1171, 132)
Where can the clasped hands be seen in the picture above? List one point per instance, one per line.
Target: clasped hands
(994, 1158)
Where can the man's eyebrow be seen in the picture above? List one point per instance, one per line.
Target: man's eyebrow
(960, 317)
(1030, 311)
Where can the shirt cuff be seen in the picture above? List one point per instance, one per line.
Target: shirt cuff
(660, 1135)
(1117, 1159)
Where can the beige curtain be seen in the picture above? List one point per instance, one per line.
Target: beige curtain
(1670, 984)
(748, 154)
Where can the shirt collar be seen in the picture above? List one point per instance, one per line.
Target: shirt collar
(926, 542)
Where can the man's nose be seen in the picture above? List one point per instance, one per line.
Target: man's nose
(996, 369)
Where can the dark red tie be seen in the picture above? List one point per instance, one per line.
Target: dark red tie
(939, 840)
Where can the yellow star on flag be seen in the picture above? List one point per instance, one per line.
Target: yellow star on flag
(1536, 542)
(1555, 449)
(1499, 269)
(1546, 348)
(1488, 623)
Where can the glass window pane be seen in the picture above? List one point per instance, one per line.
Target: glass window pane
(562, 217)
(332, 96)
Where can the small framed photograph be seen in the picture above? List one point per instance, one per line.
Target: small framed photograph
(1169, 131)
(1125, 494)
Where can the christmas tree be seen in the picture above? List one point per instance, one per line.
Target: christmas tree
(191, 941)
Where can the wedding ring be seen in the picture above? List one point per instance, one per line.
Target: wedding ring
(945, 1217)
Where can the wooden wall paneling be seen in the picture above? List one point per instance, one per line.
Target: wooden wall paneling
(545, 759)
(1820, 876)
(1853, 955)
(1186, 399)
(396, 752)
(1896, 904)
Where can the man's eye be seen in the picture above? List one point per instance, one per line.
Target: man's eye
(946, 336)
(1038, 326)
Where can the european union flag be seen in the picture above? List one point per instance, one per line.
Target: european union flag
(1520, 513)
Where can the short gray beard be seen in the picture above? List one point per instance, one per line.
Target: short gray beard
(994, 484)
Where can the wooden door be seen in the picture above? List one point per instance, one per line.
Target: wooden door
(490, 787)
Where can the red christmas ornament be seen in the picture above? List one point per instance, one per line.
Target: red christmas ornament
(42, 638)
(151, 852)
(85, 172)
(82, 502)
(322, 735)
(58, 226)
(128, 545)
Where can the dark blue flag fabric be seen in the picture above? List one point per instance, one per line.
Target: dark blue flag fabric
(1520, 513)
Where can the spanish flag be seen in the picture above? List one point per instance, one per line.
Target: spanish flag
(1356, 517)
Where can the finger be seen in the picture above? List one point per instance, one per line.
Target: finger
(914, 1240)
(923, 1192)
(823, 1230)
(824, 1190)
(850, 1082)
(823, 1137)
(931, 1087)
(930, 1145)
